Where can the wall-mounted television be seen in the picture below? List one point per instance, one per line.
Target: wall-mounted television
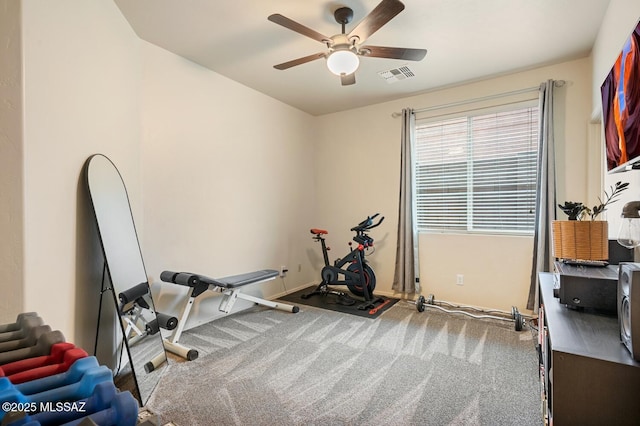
(621, 108)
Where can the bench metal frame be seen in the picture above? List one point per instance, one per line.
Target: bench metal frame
(230, 287)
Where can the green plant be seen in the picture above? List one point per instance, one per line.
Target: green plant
(577, 211)
(573, 210)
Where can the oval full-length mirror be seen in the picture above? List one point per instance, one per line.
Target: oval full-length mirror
(127, 274)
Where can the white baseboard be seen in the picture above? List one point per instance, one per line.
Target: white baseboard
(292, 290)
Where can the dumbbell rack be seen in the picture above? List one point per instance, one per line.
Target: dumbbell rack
(518, 318)
(46, 380)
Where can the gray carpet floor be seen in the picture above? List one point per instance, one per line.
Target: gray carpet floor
(318, 367)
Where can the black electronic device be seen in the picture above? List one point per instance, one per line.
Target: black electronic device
(618, 253)
(588, 287)
(629, 307)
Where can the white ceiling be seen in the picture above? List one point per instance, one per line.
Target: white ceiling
(466, 40)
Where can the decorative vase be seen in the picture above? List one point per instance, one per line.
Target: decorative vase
(580, 240)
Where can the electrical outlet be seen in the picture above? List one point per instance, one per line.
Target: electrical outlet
(460, 279)
(283, 271)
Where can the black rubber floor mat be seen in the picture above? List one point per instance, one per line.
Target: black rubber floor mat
(337, 303)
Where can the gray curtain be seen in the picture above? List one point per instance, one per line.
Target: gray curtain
(545, 194)
(406, 278)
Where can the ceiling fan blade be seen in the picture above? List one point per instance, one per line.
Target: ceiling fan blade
(393, 52)
(299, 61)
(299, 28)
(348, 79)
(383, 13)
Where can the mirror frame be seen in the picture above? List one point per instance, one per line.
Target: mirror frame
(121, 264)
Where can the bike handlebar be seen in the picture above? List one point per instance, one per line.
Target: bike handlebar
(367, 224)
(379, 222)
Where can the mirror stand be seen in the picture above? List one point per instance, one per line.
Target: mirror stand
(129, 288)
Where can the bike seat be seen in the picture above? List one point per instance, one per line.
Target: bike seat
(317, 231)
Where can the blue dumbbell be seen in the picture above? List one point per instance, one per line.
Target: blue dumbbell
(73, 392)
(123, 412)
(72, 375)
(99, 400)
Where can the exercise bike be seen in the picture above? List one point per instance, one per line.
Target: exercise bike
(353, 270)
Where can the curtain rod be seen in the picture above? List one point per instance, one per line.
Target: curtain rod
(557, 83)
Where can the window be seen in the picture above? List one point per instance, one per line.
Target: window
(477, 172)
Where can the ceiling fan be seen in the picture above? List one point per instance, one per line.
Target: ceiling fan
(345, 49)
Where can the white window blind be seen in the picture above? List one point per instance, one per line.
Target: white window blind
(477, 173)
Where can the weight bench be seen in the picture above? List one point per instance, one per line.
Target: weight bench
(228, 286)
(133, 308)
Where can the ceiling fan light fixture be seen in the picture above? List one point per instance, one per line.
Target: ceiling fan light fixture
(342, 62)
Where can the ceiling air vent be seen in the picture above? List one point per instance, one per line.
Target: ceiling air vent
(397, 74)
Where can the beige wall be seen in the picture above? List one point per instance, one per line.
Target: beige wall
(228, 182)
(98, 88)
(81, 79)
(11, 164)
(362, 146)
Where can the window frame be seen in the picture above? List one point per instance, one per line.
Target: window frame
(469, 111)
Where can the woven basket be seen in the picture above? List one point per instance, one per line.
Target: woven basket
(580, 240)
